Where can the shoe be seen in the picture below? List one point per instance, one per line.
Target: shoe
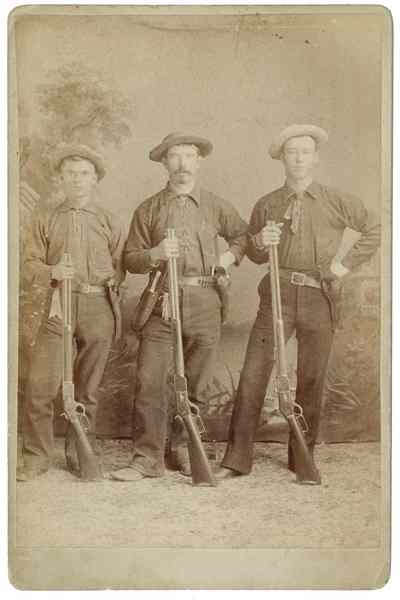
(30, 473)
(127, 474)
(178, 460)
(226, 473)
(310, 481)
(185, 469)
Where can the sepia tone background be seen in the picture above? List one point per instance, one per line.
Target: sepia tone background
(124, 82)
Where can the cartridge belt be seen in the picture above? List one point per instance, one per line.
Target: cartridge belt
(86, 288)
(200, 281)
(296, 278)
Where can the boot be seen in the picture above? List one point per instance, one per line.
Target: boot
(178, 460)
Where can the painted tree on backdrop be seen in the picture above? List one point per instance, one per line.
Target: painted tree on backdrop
(76, 104)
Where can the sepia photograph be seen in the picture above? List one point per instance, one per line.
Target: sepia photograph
(199, 297)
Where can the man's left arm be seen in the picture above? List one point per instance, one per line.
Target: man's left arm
(234, 231)
(117, 245)
(359, 218)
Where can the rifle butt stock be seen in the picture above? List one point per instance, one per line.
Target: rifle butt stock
(202, 474)
(306, 471)
(88, 464)
(89, 467)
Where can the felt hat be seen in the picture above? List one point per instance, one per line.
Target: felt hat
(173, 139)
(64, 151)
(317, 133)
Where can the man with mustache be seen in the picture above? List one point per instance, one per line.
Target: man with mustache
(95, 239)
(199, 217)
(307, 220)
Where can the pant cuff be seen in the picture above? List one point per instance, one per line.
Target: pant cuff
(234, 460)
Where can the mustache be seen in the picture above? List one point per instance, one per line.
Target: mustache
(181, 171)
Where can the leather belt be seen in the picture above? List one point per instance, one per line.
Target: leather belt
(200, 281)
(86, 288)
(297, 278)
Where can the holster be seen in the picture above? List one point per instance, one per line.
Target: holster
(222, 286)
(148, 299)
(115, 301)
(333, 292)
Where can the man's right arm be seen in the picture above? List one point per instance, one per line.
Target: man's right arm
(36, 270)
(140, 255)
(260, 235)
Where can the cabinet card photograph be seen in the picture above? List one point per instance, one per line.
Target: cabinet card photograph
(200, 297)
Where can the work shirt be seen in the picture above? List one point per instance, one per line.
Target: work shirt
(199, 218)
(91, 234)
(325, 214)
(184, 219)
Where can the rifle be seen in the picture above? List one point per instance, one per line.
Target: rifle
(74, 411)
(187, 412)
(306, 471)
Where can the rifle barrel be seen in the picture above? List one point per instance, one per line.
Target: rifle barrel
(67, 330)
(175, 309)
(278, 326)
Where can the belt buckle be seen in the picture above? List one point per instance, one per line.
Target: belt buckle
(84, 288)
(298, 278)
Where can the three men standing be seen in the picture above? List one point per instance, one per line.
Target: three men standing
(199, 217)
(307, 220)
(95, 240)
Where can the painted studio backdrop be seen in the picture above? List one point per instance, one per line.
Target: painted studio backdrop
(122, 83)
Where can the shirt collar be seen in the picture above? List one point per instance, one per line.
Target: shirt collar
(312, 190)
(90, 207)
(194, 194)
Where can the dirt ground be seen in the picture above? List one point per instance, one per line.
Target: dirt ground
(263, 510)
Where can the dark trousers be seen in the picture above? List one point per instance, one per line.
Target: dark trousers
(306, 311)
(201, 324)
(93, 329)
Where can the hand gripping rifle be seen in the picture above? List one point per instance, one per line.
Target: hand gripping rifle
(187, 412)
(74, 412)
(306, 471)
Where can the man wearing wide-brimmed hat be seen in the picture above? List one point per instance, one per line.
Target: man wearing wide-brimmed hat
(94, 238)
(199, 218)
(307, 220)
